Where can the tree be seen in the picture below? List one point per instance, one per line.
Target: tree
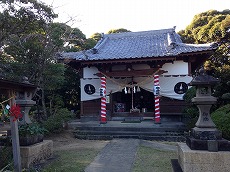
(22, 16)
(207, 27)
(19, 17)
(33, 56)
(53, 80)
(96, 36)
(120, 30)
(70, 91)
(69, 39)
(27, 45)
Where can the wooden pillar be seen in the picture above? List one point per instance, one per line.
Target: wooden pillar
(15, 136)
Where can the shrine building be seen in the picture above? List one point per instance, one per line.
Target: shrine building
(123, 66)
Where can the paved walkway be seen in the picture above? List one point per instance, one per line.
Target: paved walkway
(119, 155)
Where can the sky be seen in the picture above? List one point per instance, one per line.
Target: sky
(92, 16)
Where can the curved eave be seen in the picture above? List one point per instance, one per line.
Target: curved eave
(136, 59)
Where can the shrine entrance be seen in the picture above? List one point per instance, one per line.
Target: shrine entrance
(141, 101)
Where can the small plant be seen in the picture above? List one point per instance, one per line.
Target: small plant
(30, 134)
(31, 129)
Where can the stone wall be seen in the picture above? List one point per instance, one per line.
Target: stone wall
(202, 161)
(36, 153)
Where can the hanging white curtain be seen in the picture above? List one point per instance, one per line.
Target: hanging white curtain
(167, 85)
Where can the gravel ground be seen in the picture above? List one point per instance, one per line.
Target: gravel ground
(66, 141)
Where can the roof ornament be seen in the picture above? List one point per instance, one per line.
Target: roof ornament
(25, 79)
(171, 40)
(102, 35)
(94, 51)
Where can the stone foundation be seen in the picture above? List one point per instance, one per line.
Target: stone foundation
(202, 161)
(36, 153)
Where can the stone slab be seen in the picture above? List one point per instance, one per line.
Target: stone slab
(36, 153)
(202, 161)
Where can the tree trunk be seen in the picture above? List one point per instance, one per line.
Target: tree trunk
(44, 104)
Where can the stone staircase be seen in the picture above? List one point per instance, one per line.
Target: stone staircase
(158, 132)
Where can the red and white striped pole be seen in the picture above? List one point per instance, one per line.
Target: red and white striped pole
(157, 100)
(103, 100)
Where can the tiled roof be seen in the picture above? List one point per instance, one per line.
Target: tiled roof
(127, 45)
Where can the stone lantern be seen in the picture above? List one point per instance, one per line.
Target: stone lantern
(205, 136)
(24, 99)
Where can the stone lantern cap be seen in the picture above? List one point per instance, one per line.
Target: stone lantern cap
(203, 79)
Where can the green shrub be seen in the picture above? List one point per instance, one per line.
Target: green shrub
(31, 129)
(190, 94)
(191, 115)
(221, 117)
(54, 124)
(191, 111)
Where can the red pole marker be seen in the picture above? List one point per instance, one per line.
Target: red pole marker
(103, 100)
(157, 99)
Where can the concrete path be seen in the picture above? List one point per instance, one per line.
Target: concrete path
(118, 155)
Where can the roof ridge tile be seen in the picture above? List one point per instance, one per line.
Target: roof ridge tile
(140, 33)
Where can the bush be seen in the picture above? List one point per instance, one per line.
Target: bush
(221, 117)
(191, 111)
(191, 93)
(191, 116)
(31, 129)
(54, 124)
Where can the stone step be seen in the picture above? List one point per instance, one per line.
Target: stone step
(134, 129)
(153, 138)
(92, 132)
(177, 136)
(173, 131)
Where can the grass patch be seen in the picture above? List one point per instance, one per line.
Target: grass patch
(149, 159)
(71, 160)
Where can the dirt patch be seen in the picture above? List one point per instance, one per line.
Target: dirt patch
(67, 141)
